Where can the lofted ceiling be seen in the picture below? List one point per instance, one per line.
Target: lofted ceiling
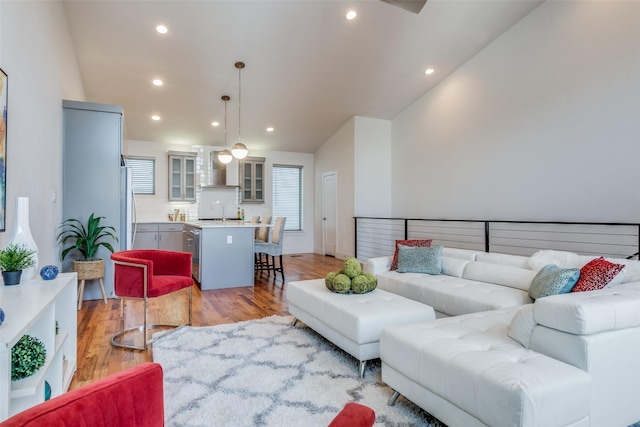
(308, 69)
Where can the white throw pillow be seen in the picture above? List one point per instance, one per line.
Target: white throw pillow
(522, 324)
(562, 259)
(453, 266)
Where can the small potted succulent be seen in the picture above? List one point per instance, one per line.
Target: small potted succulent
(86, 240)
(13, 259)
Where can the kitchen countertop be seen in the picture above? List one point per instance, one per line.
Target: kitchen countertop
(165, 222)
(218, 224)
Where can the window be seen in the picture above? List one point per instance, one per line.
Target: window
(287, 195)
(143, 173)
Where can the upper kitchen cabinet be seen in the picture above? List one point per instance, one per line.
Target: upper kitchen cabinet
(182, 176)
(252, 179)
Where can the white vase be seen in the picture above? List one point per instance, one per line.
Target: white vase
(22, 235)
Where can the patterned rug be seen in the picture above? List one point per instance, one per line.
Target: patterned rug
(268, 373)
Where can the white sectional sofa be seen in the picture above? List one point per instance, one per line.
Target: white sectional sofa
(565, 360)
(471, 281)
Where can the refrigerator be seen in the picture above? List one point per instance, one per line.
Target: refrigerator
(96, 179)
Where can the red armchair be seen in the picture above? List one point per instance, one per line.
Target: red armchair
(354, 415)
(144, 274)
(133, 397)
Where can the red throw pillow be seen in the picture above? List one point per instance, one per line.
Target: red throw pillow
(596, 274)
(413, 242)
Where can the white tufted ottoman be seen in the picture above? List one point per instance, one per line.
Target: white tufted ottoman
(352, 322)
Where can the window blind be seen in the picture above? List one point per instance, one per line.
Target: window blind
(287, 195)
(143, 171)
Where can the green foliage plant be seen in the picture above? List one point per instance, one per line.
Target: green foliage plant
(27, 356)
(86, 240)
(16, 257)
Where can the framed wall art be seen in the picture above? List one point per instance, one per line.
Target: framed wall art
(3, 149)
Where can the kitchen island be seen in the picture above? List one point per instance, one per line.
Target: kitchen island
(222, 253)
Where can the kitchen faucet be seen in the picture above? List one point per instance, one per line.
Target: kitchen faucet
(213, 205)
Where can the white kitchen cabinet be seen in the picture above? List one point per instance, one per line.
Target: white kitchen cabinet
(32, 308)
(182, 176)
(166, 236)
(252, 180)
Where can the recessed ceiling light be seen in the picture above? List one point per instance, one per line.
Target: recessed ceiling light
(351, 14)
(158, 82)
(429, 71)
(161, 29)
(156, 118)
(215, 124)
(269, 129)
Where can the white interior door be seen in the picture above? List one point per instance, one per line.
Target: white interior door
(329, 213)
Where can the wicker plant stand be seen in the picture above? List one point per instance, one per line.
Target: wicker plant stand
(89, 270)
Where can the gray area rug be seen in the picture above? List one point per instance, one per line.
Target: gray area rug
(268, 373)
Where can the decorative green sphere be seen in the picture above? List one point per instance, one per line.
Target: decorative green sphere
(329, 280)
(363, 283)
(27, 356)
(341, 284)
(351, 267)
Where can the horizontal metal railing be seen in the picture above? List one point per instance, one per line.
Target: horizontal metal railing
(376, 236)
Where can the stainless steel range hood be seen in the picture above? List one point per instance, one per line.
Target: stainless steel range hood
(217, 173)
(218, 170)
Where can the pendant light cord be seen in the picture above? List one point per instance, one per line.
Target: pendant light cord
(239, 98)
(225, 124)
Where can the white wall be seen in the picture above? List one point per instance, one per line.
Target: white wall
(372, 167)
(294, 241)
(542, 124)
(337, 155)
(155, 208)
(37, 54)
(360, 153)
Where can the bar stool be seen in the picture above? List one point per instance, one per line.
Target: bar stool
(261, 236)
(271, 249)
(255, 220)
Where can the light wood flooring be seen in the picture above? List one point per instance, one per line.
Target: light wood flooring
(97, 322)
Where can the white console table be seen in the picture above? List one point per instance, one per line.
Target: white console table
(32, 308)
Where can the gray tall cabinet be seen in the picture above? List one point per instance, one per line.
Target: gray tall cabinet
(92, 176)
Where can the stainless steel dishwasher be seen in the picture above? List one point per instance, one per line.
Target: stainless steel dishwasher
(191, 236)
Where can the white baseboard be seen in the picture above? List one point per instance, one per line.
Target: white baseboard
(339, 255)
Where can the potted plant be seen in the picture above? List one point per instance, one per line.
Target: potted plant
(13, 259)
(86, 240)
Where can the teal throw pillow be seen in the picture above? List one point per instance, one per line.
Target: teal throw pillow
(553, 280)
(420, 260)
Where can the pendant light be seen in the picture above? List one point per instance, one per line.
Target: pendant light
(225, 155)
(239, 150)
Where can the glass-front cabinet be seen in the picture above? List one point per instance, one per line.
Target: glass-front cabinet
(252, 180)
(182, 176)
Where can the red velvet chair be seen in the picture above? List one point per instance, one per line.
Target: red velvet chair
(144, 274)
(133, 397)
(354, 415)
